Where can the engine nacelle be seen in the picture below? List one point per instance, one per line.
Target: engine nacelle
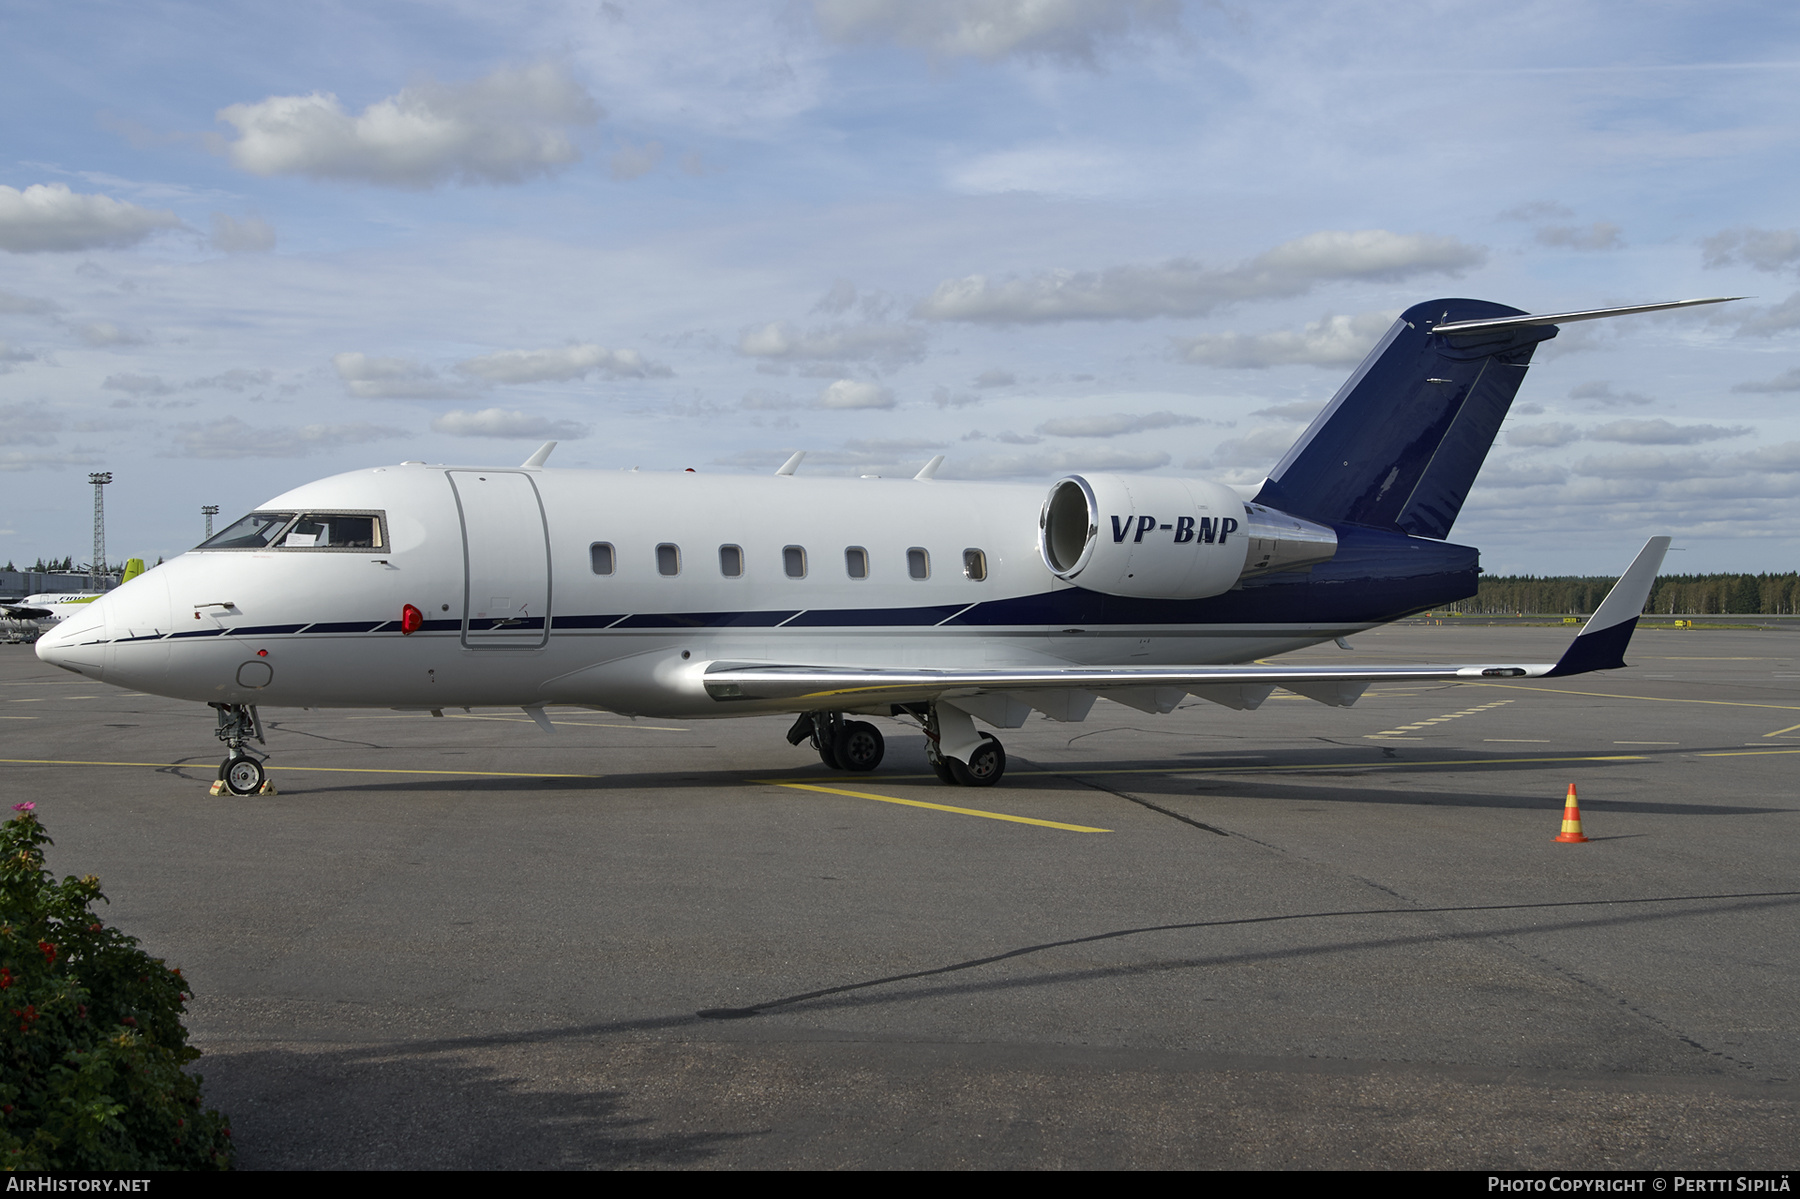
(1158, 538)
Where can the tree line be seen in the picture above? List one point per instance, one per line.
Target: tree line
(1673, 595)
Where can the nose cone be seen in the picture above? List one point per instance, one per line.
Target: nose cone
(78, 643)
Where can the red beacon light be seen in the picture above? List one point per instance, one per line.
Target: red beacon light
(411, 620)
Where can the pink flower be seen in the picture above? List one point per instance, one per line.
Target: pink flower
(24, 807)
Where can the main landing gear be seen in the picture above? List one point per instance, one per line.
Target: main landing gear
(857, 745)
(987, 761)
(241, 773)
(842, 744)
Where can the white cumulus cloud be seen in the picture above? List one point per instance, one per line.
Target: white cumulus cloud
(1788, 380)
(230, 437)
(1552, 433)
(1763, 249)
(1184, 288)
(375, 378)
(1040, 463)
(876, 341)
(560, 364)
(48, 216)
(105, 333)
(1112, 424)
(503, 128)
(1661, 432)
(855, 393)
(498, 422)
(1330, 341)
(138, 385)
(993, 29)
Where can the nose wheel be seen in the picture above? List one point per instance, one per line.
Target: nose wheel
(242, 776)
(240, 773)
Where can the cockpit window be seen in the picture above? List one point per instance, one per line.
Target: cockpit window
(254, 532)
(301, 531)
(333, 530)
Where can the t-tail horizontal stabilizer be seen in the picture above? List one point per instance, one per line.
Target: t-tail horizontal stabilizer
(1601, 643)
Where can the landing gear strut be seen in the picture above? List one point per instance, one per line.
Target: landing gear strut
(842, 744)
(987, 761)
(241, 772)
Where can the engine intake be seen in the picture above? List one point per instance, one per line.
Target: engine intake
(1160, 538)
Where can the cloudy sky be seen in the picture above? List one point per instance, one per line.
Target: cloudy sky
(246, 246)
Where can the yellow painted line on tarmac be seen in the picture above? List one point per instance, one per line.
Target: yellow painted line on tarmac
(1790, 728)
(1658, 699)
(1379, 764)
(938, 807)
(1367, 764)
(578, 724)
(1743, 753)
(486, 774)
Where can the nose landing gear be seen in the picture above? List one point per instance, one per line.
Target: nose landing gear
(241, 773)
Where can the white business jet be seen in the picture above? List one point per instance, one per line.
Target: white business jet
(427, 587)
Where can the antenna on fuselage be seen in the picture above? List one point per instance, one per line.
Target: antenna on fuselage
(536, 461)
(792, 464)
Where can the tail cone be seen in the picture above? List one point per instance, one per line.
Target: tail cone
(1571, 828)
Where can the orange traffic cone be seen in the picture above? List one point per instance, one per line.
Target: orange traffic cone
(1571, 829)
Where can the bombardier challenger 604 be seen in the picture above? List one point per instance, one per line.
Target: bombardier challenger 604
(428, 587)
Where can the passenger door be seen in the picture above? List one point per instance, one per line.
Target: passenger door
(506, 560)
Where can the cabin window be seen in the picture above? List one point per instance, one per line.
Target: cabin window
(668, 560)
(731, 561)
(918, 563)
(793, 560)
(856, 562)
(974, 565)
(600, 557)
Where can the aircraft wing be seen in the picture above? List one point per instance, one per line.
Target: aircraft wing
(1003, 696)
(20, 612)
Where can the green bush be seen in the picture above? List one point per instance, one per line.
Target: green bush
(91, 1040)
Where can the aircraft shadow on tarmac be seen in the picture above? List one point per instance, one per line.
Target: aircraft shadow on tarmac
(1308, 775)
(446, 1107)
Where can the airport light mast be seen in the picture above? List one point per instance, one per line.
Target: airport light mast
(97, 563)
(209, 511)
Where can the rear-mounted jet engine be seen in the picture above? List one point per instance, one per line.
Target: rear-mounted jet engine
(1159, 538)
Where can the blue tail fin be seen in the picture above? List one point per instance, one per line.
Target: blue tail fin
(1401, 442)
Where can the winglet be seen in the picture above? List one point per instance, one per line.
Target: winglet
(929, 470)
(536, 461)
(1602, 641)
(133, 568)
(792, 464)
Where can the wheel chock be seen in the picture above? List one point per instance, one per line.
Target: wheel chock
(1571, 828)
(218, 787)
(267, 788)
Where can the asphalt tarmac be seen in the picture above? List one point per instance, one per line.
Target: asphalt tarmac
(1297, 937)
